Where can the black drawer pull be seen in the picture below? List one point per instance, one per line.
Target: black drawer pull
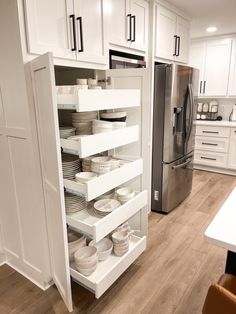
(208, 158)
(211, 132)
(212, 144)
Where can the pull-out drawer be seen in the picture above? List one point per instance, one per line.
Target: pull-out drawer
(212, 159)
(214, 131)
(233, 133)
(212, 144)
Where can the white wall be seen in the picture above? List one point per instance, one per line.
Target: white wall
(22, 212)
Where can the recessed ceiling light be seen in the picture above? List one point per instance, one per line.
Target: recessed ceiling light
(211, 29)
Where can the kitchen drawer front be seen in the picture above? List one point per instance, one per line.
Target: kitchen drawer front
(233, 133)
(214, 131)
(212, 144)
(210, 159)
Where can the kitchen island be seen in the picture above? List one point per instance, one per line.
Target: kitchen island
(222, 231)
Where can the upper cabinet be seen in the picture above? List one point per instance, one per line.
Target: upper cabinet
(232, 75)
(212, 58)
(171, 36)
(71, 29)
(128, 24)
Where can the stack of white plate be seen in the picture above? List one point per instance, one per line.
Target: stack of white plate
(70, 166)
(105, 206)
(74, 203)
(66, 131)
(100, 126)
(101, 165)
(82, 121)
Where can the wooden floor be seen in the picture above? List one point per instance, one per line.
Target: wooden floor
(172, 276)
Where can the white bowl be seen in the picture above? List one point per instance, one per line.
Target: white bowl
(125, 194)
(86, 271)
(109, 194)
(85, 254)
(120, 237)
(113, 115)
(85, 176)
(104, 248)
(92, 82)
(81, 81)
(101, 123)
(74, 246)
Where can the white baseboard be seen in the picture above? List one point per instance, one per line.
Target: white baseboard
(2, 258)
(214, 169)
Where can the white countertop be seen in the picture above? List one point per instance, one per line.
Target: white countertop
(216, 123)
(222, 229)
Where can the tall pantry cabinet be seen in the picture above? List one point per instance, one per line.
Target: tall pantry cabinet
(135, 211)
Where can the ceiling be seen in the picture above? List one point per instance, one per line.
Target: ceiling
(205, 13)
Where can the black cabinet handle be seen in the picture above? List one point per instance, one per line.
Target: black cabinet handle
(200, 87)
(80, 34)
(175, 36)
(72, 17)
(211, 144)
(208, 158)
(133, 17)
(130, 26)
(204, 87)
(178, 40)
(211, 132)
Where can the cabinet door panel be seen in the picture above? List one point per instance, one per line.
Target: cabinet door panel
(139, 9)
(165, 31)
(45, 107)
(197, 60)
(232, 155)
(182, 30)
(48, 27)
(217, 67)
(92, 29)
(118, 22)
(232, 77)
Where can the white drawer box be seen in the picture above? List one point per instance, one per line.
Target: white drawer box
(233, 133)
(214, 131)
(212, 159)
(212, 144)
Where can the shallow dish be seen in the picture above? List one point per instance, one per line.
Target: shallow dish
(113, 115)
(106, 205)
(85, 176)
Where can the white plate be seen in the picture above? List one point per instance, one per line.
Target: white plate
(113, 115)
(106, 205)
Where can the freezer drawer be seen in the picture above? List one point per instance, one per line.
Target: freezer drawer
(173, 185)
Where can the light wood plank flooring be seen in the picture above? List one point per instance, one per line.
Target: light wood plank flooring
(171, 277)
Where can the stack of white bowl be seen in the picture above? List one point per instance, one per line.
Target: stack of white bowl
(86, 163)
(118, 119)
(125, 194)
(66, 131)
(74, 203)
(104, 248)
(100, 126)
(75, 241)
(70, 166)
(86, 260)
(120, 241)
(101, 165)
(82, 121)
(82, 83)
(92, 84)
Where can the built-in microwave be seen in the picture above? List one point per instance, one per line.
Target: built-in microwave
(121, 60)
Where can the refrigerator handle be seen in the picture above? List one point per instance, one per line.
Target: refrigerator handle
(190, 94)
(183, 164)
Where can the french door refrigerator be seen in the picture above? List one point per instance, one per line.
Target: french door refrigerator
(173, 135)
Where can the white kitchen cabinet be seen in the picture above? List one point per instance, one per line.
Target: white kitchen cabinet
(171, 35)
(72, 29)
(232, 74)
(45, 99)
(212, 57)
(128, 24)
(232, 150)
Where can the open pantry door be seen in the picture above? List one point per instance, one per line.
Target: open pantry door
(45, 110)
(136, 79)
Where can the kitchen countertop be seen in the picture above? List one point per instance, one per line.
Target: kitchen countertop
(222, 229)
(224, 123)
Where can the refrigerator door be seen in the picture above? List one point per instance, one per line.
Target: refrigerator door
(178, 112)
(176, 182)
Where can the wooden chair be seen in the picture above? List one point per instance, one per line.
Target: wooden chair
(221, 297)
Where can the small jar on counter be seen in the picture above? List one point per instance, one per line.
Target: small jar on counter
(205, 107)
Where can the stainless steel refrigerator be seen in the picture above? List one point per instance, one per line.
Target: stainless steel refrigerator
(173, 135)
